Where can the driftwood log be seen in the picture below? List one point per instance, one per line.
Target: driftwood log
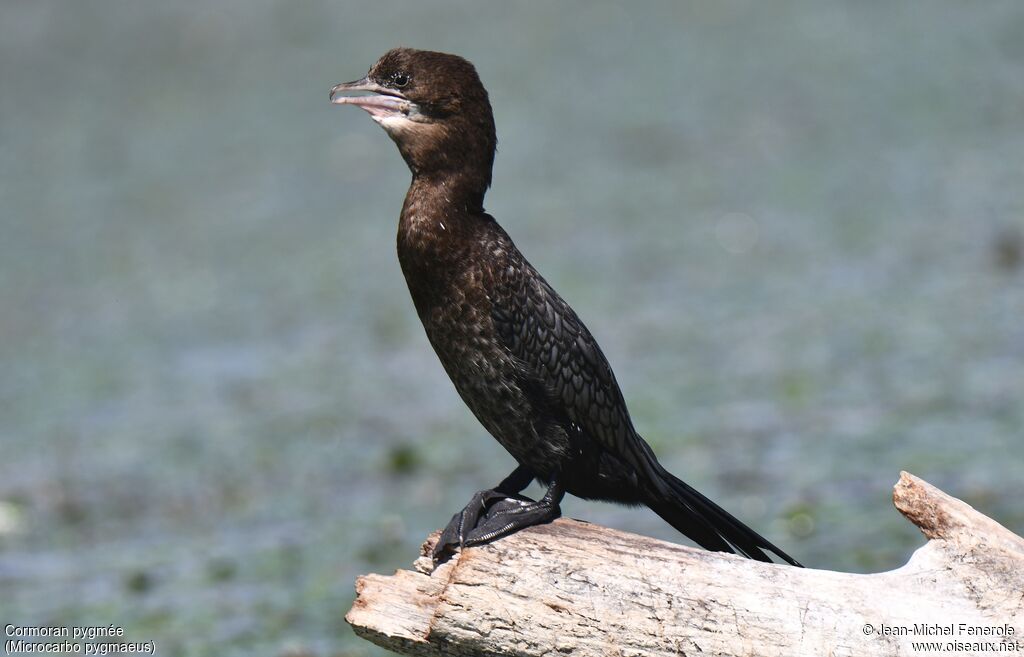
(573, 587)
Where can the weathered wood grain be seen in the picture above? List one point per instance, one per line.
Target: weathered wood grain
(573, 587)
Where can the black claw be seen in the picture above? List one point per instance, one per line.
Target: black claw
(489, 515)
(462, 523)
(509, 516)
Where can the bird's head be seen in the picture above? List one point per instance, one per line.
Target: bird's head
(432, 105)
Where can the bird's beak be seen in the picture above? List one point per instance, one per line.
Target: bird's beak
(381, 103)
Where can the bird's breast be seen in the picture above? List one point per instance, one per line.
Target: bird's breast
(456, 275)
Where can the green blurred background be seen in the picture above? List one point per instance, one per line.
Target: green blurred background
(795, 228)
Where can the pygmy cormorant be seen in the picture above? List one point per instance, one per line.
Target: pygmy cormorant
(517, 353)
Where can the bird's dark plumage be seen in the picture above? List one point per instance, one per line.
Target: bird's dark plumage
(517, 353)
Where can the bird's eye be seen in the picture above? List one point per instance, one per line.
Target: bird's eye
(400, 79)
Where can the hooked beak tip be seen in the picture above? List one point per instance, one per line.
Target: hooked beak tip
(341, 87)
(336, 89)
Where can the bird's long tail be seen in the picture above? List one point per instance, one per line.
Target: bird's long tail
(706, 523)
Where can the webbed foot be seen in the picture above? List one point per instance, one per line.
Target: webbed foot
(492, 514)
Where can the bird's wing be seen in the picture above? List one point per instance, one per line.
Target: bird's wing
(558, 352)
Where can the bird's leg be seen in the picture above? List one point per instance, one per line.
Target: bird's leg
(493, 513)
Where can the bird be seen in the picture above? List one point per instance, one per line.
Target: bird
(517, 353)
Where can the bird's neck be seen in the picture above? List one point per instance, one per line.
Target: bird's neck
(440, 217)
(444, 205)
(456, 190)
(450, 163)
